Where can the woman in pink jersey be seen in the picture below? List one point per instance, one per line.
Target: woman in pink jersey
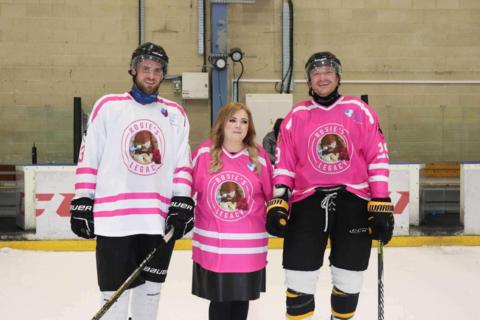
(232, 182)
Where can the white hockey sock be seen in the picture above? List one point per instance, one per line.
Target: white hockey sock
(145, 299)
(119, 310)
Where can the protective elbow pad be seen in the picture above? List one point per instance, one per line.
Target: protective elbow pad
(299, 305)
(343, 304)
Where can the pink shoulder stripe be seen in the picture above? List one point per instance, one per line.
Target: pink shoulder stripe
(173, 105)
(86, 171)
(305, 103)
(102, 102)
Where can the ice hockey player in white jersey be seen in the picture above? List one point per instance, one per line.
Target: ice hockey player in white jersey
(133, 183)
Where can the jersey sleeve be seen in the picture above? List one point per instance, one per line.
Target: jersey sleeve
(266, 175)
(376, 156)
(90, 153)
(182, 175)
(285, 159)
(195, 164)
(199, 167)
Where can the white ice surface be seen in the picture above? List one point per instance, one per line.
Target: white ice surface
(425, 283)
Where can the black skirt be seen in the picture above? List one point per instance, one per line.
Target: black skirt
(222, 287)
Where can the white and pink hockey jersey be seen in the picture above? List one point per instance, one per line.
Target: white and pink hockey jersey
(229, 233)
(133, 159)
(339, 145)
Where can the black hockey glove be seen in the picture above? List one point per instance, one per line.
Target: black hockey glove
(180, 216)
(81, 218)
(277, 212)
(277, 217)
(380, 219)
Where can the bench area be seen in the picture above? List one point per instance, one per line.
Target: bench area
(440, 195)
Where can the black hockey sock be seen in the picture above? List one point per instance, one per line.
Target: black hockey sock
(343, 304)
(299, 305)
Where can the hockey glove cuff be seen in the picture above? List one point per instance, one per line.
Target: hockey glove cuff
(180, 216)
(277, 217)
(380, 219)
(81, 218)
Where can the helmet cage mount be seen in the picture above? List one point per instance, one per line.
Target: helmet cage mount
(139, 59)
(319, 63)
(323, 59)
(149, 51)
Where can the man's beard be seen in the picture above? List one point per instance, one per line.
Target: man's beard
(147, 90)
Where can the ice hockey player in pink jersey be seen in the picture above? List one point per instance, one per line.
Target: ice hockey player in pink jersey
(232, 183)
(332, 169)
(133, 181)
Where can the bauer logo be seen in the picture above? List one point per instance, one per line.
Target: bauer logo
(230, 197)
(358, 230)
(143, 147)
(329, 149)
(157, 271)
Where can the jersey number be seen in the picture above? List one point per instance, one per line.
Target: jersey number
(277, 155)
(382, 149)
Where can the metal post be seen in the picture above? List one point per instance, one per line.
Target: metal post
(77, 127)
(141, 21)
(218, 78)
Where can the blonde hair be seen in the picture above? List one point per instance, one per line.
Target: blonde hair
(218, 134)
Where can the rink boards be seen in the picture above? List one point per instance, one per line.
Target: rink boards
(45, 193)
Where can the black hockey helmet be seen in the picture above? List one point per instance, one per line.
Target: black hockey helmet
(320, 59)
(149, 51)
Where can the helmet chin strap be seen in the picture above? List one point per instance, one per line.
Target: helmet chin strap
(325, 101)
(141, 97)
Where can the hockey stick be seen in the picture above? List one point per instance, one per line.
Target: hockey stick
(129, 280)
(380, 280)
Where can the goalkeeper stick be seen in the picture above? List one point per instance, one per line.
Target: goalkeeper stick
(129, 280)
(380, 280)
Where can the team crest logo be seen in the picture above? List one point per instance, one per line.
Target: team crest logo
(143, 147)
(230, 198)
(349, 113)
(329, 149)
(354, 115)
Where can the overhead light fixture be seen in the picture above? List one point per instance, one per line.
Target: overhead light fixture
(236, 54)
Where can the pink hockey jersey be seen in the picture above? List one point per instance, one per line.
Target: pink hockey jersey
(339, 145)
(229, 233)
(132, 160)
